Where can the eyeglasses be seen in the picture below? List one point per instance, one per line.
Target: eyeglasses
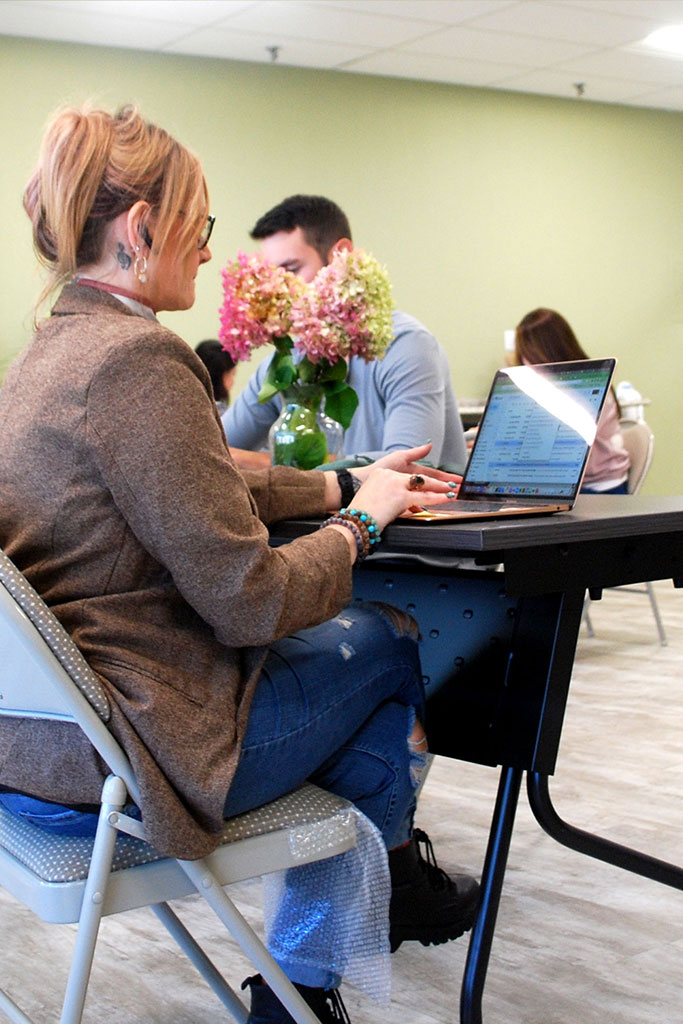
(202, 241)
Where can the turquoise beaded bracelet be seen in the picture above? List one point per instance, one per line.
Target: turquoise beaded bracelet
(366, 520)
(363, 526)
(361, 546)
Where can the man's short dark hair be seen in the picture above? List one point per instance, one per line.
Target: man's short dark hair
(322, 222)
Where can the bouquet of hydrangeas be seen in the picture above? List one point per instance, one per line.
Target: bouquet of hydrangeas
(345, 311)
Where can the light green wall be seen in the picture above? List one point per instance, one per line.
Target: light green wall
(482, 204)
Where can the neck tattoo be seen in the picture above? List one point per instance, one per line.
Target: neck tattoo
(122, 257)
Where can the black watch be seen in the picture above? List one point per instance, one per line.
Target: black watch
(348, 484)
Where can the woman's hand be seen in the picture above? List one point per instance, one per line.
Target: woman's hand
(389, 485)
(405, 461)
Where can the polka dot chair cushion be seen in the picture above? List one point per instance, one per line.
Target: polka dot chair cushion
(56, 858)
(313, 818)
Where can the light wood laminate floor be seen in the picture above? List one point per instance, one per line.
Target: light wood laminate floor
(578, 942)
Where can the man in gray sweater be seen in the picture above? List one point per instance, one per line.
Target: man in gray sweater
(405, 399)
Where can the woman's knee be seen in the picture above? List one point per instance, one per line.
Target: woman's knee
(400, 622)
(418, 748)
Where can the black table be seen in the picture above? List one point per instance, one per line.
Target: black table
(499, 603)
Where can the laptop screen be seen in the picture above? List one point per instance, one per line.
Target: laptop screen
(537, 430)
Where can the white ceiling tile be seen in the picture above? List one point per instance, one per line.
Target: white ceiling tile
(254, 46)
(433, 68)
(471, 42)
(662, 10)
(190, 12)
(663, 99)
(495, 46)
(449, 12)
(47, 21)
(622, 63)
(551, 82)
(326, 22)
(558, 21)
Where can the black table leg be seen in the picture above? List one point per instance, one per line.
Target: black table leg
(491, 886)
(592, 845)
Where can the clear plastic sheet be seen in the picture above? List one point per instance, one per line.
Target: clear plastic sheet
(333, 915)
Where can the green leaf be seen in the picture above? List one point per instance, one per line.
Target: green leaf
(334, 371)
(280, 374)
(332, 387)
(284, 375)
(342, 405)
(309, 451)
(308, 371)
(283, 343)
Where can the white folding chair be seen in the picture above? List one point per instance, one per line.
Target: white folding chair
(67, 879)
(639, 442)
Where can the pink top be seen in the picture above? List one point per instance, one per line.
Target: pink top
(609, 461)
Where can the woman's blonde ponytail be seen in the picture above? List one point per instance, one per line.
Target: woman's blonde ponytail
(61, 193)
(93, 166)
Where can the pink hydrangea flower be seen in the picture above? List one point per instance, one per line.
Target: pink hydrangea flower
(257, 304)
(345, 311)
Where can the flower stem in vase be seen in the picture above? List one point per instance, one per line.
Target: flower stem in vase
(296, 438)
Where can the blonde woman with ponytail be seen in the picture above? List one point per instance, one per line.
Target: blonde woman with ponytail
(122, 505)
(127, 180)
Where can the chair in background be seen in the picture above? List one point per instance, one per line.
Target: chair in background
(639, 442)
(67, 879)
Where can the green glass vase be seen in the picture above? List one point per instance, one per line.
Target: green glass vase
(302, 436)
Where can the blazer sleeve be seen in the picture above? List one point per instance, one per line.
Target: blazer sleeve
(163, 456)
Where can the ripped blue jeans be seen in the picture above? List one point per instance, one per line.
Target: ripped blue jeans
(335, 704)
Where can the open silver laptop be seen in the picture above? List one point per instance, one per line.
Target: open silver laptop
(533, 442)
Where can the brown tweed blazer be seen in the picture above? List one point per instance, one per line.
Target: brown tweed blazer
(120, 502)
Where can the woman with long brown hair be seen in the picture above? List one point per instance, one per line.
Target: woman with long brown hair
(544, 336)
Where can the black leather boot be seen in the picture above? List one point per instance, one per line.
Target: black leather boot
(427, 905)
(266, 1008)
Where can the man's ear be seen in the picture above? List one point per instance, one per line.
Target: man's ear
(342, 245)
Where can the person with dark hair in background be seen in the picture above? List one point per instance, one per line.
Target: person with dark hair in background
(404, 399)
(235, 670)
(543, 336)
(222, 369)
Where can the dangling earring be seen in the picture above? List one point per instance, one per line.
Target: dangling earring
(140, 265)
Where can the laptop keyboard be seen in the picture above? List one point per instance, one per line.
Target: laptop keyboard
(477, 506)
(484, 506)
